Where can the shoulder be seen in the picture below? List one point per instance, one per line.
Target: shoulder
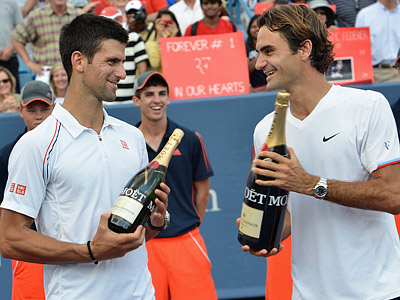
(126, 127)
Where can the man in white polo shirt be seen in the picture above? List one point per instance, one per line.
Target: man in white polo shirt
(68, 172)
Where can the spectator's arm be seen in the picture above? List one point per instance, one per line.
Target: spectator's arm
(29, 5)
(142, 67)
(20, 47)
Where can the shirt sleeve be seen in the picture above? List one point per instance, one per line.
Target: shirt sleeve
(379, 138)
(25, 32)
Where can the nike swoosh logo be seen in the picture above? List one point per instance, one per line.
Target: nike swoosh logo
(325, 139)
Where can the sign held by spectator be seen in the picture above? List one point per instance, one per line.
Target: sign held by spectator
(353, 60)
(205, 65)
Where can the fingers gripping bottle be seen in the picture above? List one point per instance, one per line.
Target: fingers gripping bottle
(135, 204)
(264, 208)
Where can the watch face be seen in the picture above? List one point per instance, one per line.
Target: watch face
(320, 191)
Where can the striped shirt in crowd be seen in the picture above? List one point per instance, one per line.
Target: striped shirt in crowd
(135, 53)
(42, 27)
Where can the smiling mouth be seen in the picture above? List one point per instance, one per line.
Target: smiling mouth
(156, 108)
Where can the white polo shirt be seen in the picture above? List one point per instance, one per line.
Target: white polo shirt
(340, 252)
(65, 176)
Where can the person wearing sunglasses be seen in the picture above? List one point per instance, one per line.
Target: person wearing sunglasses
(8, 98)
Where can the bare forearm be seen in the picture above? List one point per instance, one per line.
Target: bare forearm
(20, 48)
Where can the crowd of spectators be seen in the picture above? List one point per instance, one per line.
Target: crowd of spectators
(32, 28)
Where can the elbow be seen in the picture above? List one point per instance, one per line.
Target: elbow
(5, 249)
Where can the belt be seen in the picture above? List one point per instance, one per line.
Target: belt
(384, 66)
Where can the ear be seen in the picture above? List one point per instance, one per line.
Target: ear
(136, 101)
(305, 49)
(78, 61)
(20, 111)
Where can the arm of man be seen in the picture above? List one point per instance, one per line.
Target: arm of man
(202, 189)
(20, 47)
(142, 67)
(18, 241)
(381, 193)
(29, 5)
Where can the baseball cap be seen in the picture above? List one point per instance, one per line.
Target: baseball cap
(143, 78)
(134, 4)
(111, 12)
(36, 90)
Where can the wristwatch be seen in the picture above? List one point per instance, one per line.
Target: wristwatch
(321, 189)
(160, 228)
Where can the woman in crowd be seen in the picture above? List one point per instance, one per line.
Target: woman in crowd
(9, 100)
(324, 13)
(59, 82)
(165, 25)
(258, 81)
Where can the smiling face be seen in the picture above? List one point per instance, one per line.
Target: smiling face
(276, 60)
(210, 9)
(5, 84)
(60, 79)
(35, 113)
(153, 101)
(105, 71)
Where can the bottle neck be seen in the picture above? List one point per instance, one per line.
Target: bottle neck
(163, 158)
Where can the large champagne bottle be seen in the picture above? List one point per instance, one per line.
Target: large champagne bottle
(135, 204)
(264, 208)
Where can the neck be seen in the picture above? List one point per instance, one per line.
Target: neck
(212, 22)
(86, 108)
(389, 4)
(58, 9)
(306, 95)
(153, 131)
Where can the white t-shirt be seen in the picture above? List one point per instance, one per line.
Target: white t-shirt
(65, 176)
(185, 15)
(340, 252)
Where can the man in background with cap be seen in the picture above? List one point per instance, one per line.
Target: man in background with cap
(37, 103)
(178, 260)
(135, 52)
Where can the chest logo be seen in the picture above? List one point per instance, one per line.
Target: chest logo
(177, 152)
(124, 144)
(325, 139)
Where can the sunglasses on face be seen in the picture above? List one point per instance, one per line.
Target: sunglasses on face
(5, 80)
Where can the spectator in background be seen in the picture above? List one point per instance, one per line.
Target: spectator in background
(258, 82)
(324, 13)
(86, 5)
(347, 10)
(10, 16)
(27, 5)
(178, 260)
(396, 106)
(165, 25)
(187, 12)
(136, 57)
(383, 20)
(59, 82)
(101, 5)
(153, 7)
(112, 13)
(36, 105)
(212, 22)
(8, 98)
(121, 4)
(136, 16)
(41, 27)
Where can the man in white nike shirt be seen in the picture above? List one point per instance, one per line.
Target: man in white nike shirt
(343, 171)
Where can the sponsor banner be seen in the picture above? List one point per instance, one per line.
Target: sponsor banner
(205, 65)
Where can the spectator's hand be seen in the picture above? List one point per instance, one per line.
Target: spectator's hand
(35, 68)
(91, 5)
(173, 29)
(107, 244)
(9, 104)
(259, 253)
(6, 53)
(157, 217)
(160, 27)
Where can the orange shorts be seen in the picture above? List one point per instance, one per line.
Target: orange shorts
(27, 281)
(180, 267)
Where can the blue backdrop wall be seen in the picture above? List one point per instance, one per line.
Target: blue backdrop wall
(226, 124)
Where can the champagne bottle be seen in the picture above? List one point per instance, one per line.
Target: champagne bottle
(264, 208)
(135, 204)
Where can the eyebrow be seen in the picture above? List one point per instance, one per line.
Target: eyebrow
(266, 47)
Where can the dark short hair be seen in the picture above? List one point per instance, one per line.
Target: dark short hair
(297, 23)
(86, 34)
(212, 1)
